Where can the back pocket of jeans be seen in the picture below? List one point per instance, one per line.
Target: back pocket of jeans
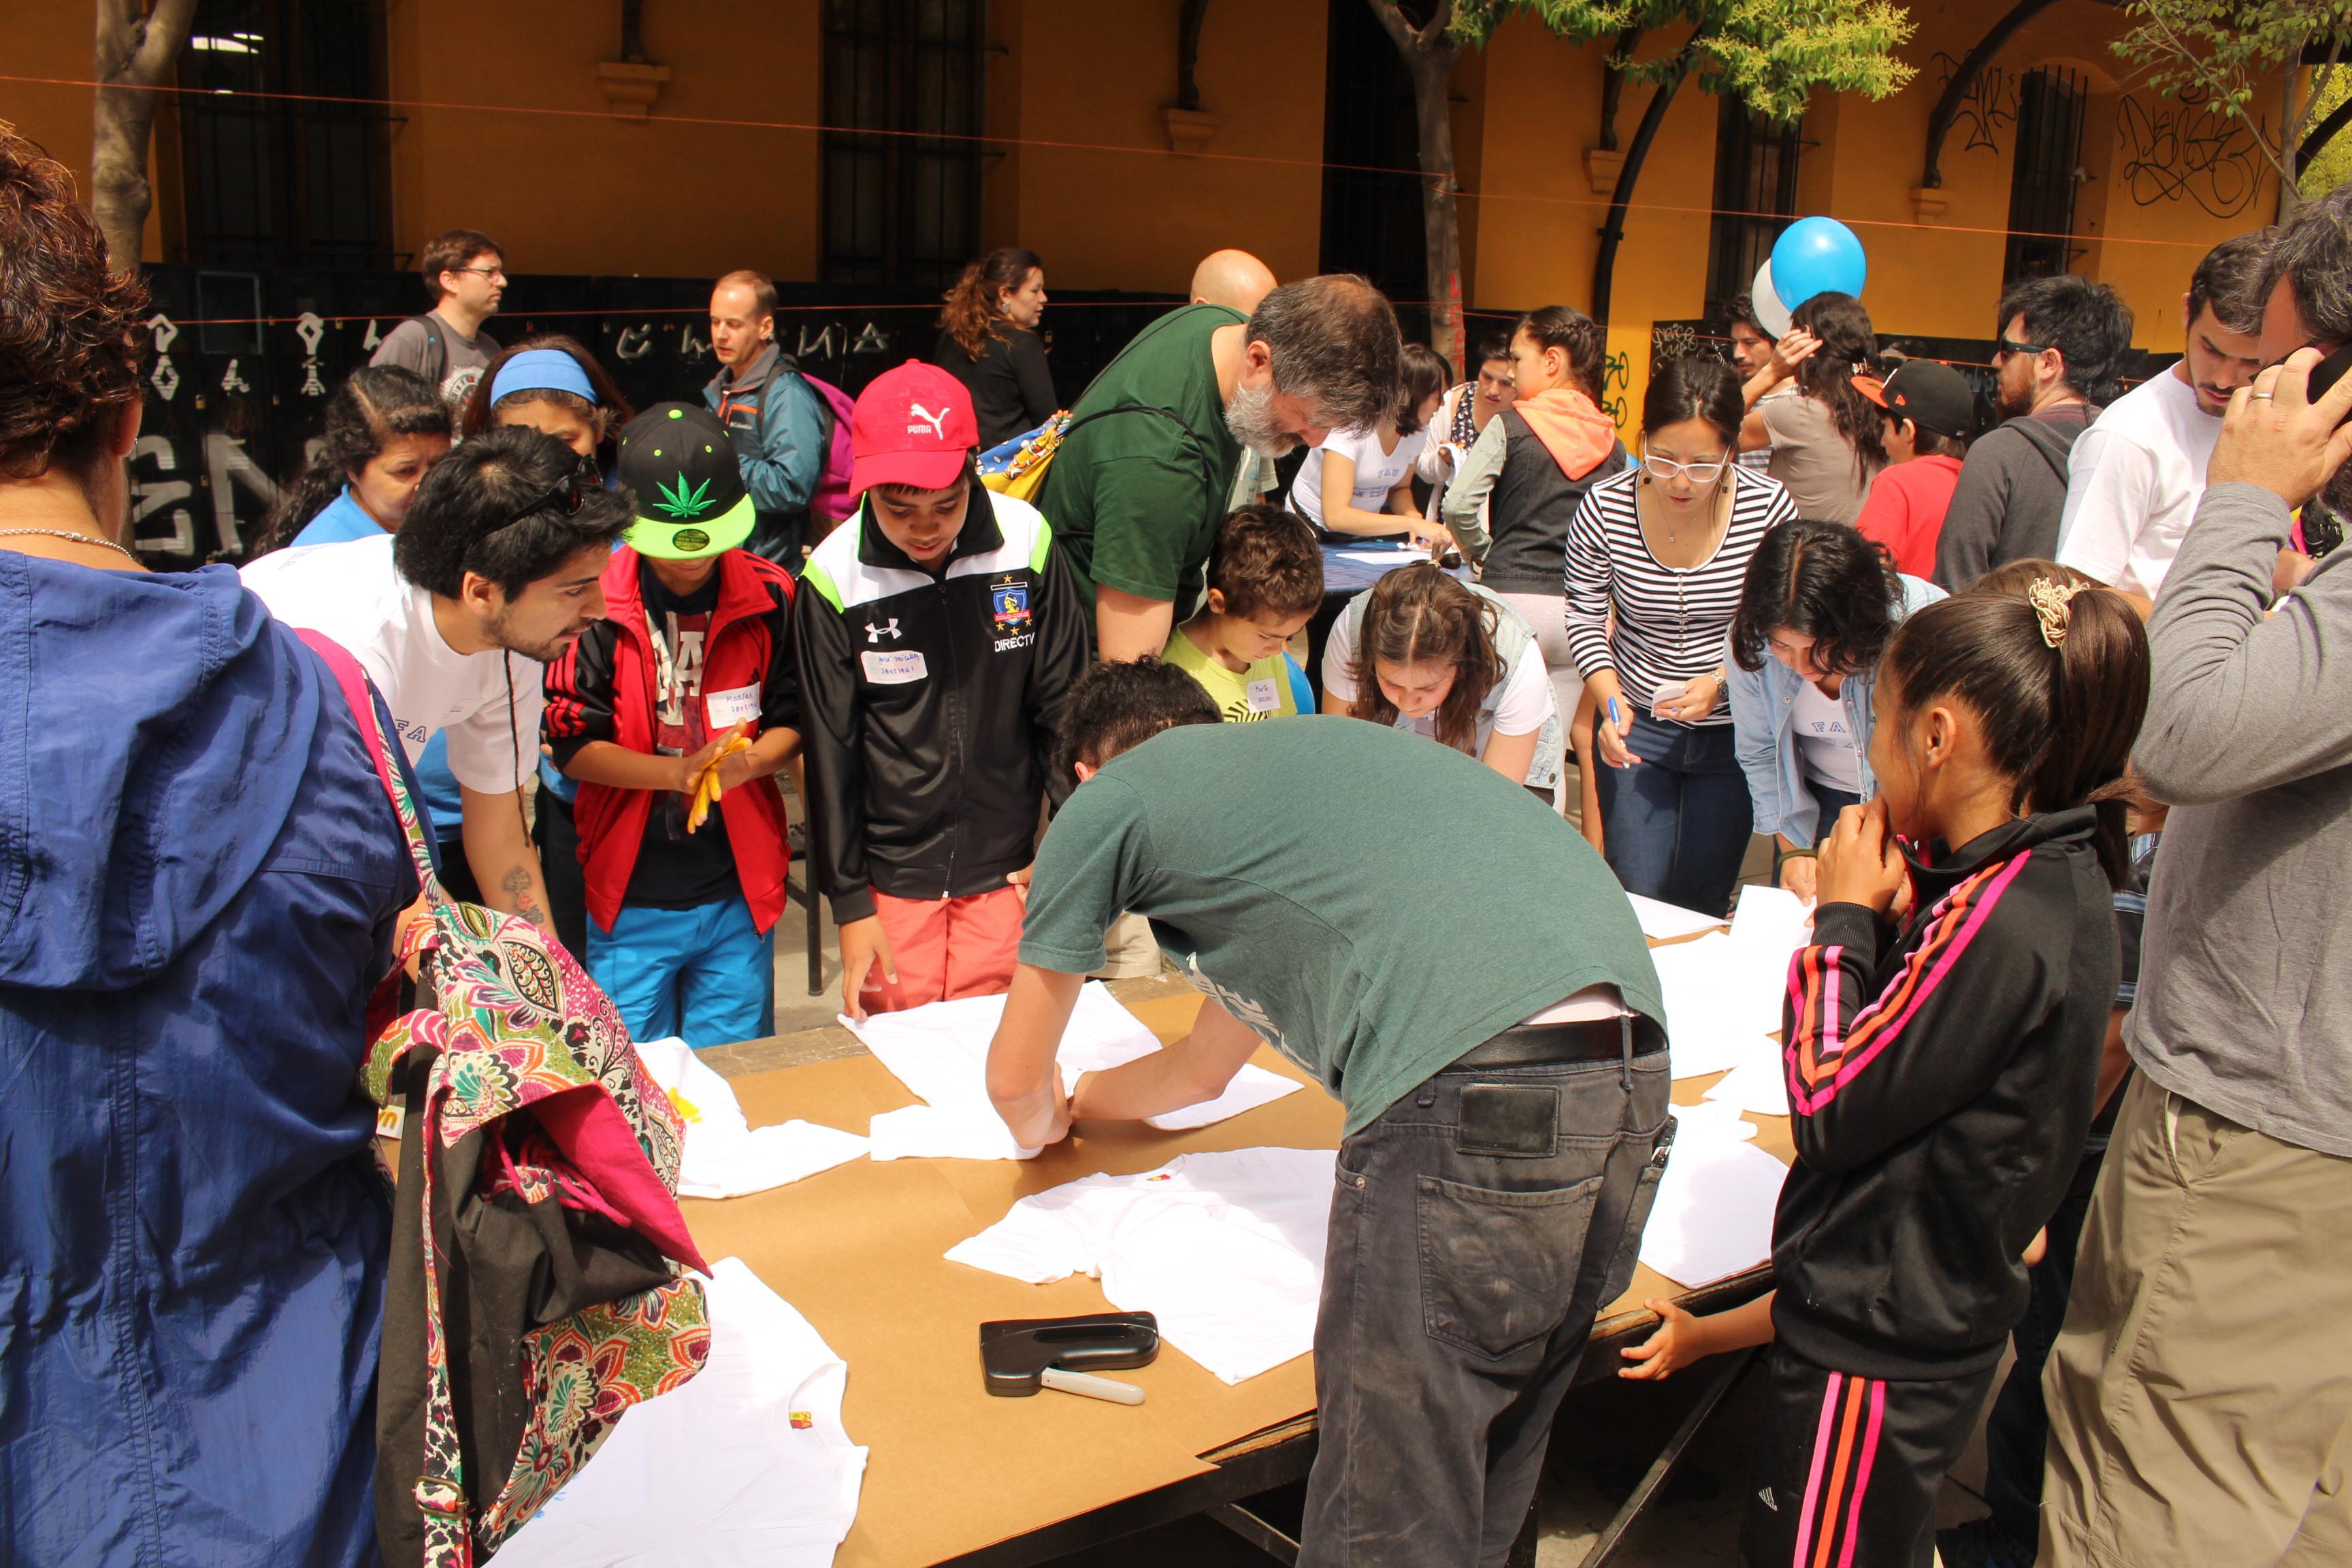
(1637, 1216)
(1498, 1269)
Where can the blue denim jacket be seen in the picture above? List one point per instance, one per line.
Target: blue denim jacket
(1763, 713)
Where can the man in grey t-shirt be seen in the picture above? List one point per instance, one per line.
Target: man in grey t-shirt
(2201, 1390)
(465, 274)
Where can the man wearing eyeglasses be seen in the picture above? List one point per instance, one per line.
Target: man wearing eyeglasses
(498, 568)
(2062, 340)
(465, 274)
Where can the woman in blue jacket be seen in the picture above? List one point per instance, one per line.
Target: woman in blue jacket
(1816, 610)
(199, 877)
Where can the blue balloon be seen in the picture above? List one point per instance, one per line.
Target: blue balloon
(1817, 256)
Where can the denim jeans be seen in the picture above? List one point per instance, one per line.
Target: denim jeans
(1677, 823)
(1477, 1226)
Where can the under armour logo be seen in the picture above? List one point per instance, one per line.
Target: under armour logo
(887, 630)
(938, 422)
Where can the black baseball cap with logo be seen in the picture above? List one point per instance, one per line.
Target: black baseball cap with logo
(1928, 393)
(676, 458)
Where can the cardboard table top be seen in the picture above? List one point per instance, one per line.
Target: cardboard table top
(859, 1250)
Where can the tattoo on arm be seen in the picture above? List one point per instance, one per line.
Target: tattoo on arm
(516, 885)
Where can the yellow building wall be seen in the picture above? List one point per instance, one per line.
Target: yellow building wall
(1100, 195)
(685, 194)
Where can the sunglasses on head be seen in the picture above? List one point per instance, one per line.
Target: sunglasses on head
(565, 500)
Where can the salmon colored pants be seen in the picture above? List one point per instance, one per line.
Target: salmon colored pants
(945, 949)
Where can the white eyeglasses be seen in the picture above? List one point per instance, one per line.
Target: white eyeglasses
(1698, 473)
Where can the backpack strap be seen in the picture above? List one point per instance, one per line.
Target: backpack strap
(362, 699)
(435, 345)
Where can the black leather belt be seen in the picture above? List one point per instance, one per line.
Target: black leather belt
(1591, 1040)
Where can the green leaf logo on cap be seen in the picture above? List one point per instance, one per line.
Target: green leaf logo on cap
(677, 501)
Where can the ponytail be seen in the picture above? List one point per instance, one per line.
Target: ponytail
(976, 305)
(362, 415)
(1418, 615)
(2059, 675)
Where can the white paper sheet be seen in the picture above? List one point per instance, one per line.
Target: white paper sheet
(1723, 1001)
(1757, 1085)
(1226, 1249)
(1770, 923)
(746, 1465)
(1712, 1120)
(1663, 923)
(1384, 557)
(724, 1156)
(940, 1053)
(1713, 1217)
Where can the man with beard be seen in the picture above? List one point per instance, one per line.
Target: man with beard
(1141, 480)
(2200, 1390)
(2137, 475)
(2062, 340)
(499, 568)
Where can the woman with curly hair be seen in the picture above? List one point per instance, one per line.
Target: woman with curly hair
(383, 428)
(203, 873)
(1822, 429)
(1816, 610)
(988, 341)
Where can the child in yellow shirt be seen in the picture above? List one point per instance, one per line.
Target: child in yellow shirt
(1265, 583)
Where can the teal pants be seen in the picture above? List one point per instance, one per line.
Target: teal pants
(706, 975)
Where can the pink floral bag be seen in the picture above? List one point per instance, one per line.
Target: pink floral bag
(535, 1292)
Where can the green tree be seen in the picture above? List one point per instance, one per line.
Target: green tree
(2241, 52)
(1768, 55)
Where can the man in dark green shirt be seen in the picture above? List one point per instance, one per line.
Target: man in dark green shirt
(1460, 969)
(1135, 495)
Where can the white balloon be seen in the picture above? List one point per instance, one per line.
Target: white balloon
(1773, 315)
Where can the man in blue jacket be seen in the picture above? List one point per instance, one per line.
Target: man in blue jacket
(780, 427)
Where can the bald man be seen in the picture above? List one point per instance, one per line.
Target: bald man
(1234, 278)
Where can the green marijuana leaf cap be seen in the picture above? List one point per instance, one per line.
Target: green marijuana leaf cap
(677, 501)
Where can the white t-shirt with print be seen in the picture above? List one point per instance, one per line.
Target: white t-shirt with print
(1824, 743)
(351, 594)
(1376, 472)
(1522, 702)
(2133, 482)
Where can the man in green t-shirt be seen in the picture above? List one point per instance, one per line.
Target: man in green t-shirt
(1460, 969)
(1134, 495)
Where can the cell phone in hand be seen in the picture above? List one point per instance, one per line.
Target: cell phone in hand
(2326, 374)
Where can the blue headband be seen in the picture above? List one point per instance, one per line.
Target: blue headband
(542, 370)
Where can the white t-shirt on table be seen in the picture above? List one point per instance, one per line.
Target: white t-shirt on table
(2133, 482)
(1522, 702)
(1824, 743)
(1376, 472)
(352, 594)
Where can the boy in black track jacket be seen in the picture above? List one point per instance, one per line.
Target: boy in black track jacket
(939, 630)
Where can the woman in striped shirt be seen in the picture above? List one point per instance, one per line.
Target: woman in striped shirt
(1665, 546)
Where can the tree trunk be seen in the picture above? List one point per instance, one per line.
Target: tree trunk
(1612, 230)
(135, 53)
(1429, 55)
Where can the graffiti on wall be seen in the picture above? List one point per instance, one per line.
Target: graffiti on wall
(1987, 108)
(1616, 380)
(2188, 147)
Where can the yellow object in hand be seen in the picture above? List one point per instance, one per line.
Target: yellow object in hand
(706, 784)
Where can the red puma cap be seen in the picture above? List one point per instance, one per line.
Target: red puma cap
(913, 426)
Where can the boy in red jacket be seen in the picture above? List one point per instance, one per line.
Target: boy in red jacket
(696, 650)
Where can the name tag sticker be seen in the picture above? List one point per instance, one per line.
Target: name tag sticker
(1263, 697)
(886, 668)
(729, 709)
